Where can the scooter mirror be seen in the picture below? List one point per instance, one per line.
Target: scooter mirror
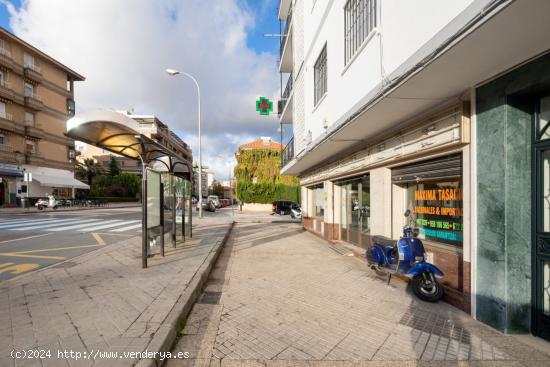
(407, 212)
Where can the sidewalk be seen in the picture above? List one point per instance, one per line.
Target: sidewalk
(34, 210)
(103, 301)
(280, 296)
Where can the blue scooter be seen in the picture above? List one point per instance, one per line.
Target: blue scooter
(407, 257)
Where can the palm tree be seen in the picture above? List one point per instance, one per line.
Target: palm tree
(88, 169)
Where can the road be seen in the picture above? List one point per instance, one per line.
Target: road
(32, 241)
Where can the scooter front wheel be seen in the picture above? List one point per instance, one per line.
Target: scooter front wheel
(427, 288)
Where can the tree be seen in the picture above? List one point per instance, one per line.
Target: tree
(217, 189)
(113, 167)
(89, 168)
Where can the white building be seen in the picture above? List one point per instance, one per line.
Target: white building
(391, 101)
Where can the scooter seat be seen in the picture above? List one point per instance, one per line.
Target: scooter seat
(384, 242)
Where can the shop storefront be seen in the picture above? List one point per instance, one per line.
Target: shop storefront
(8, 183)
(355, 210)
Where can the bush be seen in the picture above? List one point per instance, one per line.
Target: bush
(123, 184)
(266, 192)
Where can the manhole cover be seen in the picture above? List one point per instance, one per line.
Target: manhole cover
(210, 298)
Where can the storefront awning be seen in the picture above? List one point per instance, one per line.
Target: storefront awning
(59, 181)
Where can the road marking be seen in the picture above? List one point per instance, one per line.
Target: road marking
(9, 226)
(26, 238)
(24, 254)
(126, 228)
(98, 239)
(81, 225)
(56, 224)
(18, 268)
(119, 223)
(5, 264)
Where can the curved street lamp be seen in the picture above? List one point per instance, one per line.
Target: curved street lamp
(174, 72)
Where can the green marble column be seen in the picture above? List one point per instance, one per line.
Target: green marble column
(504, 177)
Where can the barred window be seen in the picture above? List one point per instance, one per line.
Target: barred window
(359, 20)
(320, 75)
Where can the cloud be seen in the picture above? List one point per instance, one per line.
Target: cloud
(123, 47)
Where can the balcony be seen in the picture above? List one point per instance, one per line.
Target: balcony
(7, 154)
(33, 72)
(285, 47)
(7, 123)
(285, 104)
(34, 157)
(34, 102)
(5, 91)
(288, 153)
(5, 59)
(34, 132)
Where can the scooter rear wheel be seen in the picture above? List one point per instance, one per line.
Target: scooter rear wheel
(427, 288)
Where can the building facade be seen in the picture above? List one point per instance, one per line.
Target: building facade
(437, 107)
(36, 99)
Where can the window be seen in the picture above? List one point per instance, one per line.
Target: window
(359, 20)
(29, 119)
(320, 75)
(318, 201)
(31, 146)
(2, 139)
(3, 48)
(437, 210)
(28, 60)
(29, 90)
(2, 110)
(2, 78)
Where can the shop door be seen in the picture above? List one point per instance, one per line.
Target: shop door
(541, 243)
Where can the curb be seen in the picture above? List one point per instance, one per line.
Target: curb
(166, 335)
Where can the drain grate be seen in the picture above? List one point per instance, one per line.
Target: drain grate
(210, 298)
(339, 249)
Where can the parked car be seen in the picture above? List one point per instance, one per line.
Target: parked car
(216, 200)
(295, 211)
(209, 205)
(224, 202)
(282, 207)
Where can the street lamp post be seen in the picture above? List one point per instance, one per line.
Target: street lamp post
(176, 72)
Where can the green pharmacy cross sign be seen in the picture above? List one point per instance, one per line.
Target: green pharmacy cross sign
(264, 106)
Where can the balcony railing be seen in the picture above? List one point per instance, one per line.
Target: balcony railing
(5, 148)
(286, 95)
(288, 153)
(33, 67)
(5, 52)
(285, 34)
(6, 116)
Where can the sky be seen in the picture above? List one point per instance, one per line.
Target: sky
(123, 48)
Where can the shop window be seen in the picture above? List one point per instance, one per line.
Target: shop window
(318, 201)
(355, 209)
(437, 210)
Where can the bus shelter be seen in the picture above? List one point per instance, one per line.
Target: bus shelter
(166, 177)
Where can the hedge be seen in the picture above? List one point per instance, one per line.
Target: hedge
(266, 192)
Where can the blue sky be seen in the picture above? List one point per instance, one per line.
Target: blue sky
(265, 22)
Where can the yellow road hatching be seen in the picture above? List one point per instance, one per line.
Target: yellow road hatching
(21, 268)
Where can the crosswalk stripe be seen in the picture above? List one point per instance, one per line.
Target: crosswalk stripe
(107, 226)
(35, 223)
(56, 224)
(81, 225)
(23, 220)
(126, 228)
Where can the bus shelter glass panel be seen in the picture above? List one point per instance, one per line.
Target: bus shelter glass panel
(168, 206)
(188, 205)
(153, 197)
(179, 195)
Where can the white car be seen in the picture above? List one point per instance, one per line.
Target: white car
(216, 200)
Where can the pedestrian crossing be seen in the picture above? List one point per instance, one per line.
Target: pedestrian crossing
(74, 225)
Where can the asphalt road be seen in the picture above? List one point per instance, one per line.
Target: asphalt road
(35, 240)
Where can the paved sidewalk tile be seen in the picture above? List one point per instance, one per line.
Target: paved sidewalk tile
(99, 303)
(279, 296)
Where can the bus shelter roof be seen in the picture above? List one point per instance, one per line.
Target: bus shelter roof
(120, 134)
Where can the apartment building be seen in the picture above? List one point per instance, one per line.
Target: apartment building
(36, 99)
(390, 100)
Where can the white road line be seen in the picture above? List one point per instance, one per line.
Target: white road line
(26, 238)
(82, 225)
(107, 226)
(35, 223)
(21, 220)
(126, 228)
(49, 225)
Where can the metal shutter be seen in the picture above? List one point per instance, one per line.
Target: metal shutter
(434, 169)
